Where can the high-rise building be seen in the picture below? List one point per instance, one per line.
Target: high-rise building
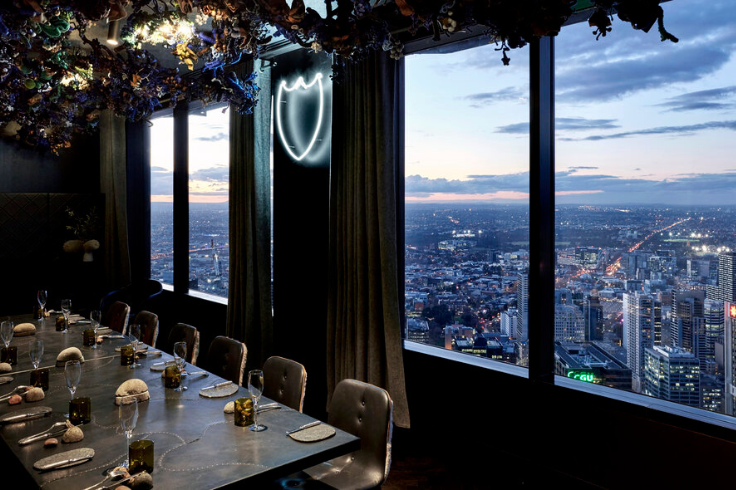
(593, 315)
(725, 290)
(714, 318)
(508, 322)
(569, 324)
(687, 315)
(729, 363)
(591, 363)
(642, 329)
(522, 308)
(672, 374)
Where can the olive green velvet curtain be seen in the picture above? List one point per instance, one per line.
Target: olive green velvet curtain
(363, 322)
(249, 298)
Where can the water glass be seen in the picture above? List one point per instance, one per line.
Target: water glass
(95, 316)
(255, 386)
(7, 329)
(134, 334)
(42, 296)
(128, 415)
(66, 308)
(72, 373)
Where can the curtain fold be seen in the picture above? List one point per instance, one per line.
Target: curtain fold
(249, 316)
(113, 183)
(363, 322)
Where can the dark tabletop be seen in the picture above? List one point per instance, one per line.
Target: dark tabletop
(196, 445)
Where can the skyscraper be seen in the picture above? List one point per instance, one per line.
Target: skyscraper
(642, 330)
(593, 315)
(726, 285)
(687, 315)
(522, 307)
(672, 374)
(714, 323)
(569, 324)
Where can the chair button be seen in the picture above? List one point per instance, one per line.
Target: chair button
(363, 402)
(360, 419)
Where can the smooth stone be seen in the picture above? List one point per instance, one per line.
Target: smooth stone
(51, 442)
(15, 399)
(230, 407)
(132, 387)
(74, 434)
(34, 395)
(142, 481)
(69, 354)
(5, 367)
(122, 487)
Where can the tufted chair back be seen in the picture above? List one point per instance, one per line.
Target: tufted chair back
(284, 381)
(226, 358)
(117, 317)
(181, 332)
(149, 327)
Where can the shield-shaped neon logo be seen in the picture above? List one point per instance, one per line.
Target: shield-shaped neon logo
(279, 124)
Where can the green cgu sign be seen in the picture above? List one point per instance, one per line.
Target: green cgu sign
(586, 376)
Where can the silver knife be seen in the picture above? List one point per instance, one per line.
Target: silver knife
(218, 385)
(65, 462)
(57, 429)
(165, 363)
(196, 373)
(305, 426)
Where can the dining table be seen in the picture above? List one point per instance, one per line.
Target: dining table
(196, 444)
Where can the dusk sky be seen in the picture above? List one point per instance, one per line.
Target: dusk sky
(638, 120)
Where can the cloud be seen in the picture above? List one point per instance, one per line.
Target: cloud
(162, 181)
(713, 99)
(583, 168)
(214, 137)
(212, 174)
(563, 124)
(487, 98)
(685, 130)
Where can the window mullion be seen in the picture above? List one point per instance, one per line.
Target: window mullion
(181, 198)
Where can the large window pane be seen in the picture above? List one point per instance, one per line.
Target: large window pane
(467, 203)
(209, 170)
(162, 198)
(645, 218)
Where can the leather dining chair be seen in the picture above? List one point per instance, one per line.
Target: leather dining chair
(284, 381)
(149, 327)
(363, 410)
(117, 317)
(226, 358)
(181, 332)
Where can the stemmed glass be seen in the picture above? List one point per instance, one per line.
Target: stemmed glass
(255, 386)
(36, 353)
(66, 307)
(180, 356)
(42, 296)
(134, 333)
(128, 414)
(6, 332)
(95, 316)
(72, 371)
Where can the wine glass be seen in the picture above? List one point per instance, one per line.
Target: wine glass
(36, 353)
(66, 307)
(180, 356)
(95, 317)
(134, 333)
(6, 332)
(128, 414)
(255, 386)
(42, 296)
(72, 372)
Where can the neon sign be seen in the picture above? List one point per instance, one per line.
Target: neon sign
(732, 310)
(300, 83)
(582, 376)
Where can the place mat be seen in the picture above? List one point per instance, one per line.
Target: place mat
(5, 379)
(25, 414)
(158, 368)
(220, 392)
(81, 455)
(313, 434)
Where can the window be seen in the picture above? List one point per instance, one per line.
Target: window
(645, 218)
(467, 202)
(209, 170)
(162, 198)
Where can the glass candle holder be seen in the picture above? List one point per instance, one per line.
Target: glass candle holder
(244, 412)
(141, 456)
(60, 323)
(172, 376)
(80, 410)
(38, 312)
(40, 378)
(127, 355)
(9, 355)
(88, 337)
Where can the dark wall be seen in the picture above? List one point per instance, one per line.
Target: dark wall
(456, 408)
(300, 238)
(74, 170)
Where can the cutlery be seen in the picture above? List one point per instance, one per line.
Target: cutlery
(55, 430)
(170, 362)
(65, 462)
(117, 483)
(218, 385)
(25, 414)
(268, 408)
(112, 336)
(111, 474)
(149, 352)
(19, 390)
(196, 373)
(305, 426)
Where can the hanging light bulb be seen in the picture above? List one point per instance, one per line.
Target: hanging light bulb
(113, 33)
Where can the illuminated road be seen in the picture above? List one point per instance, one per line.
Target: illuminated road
(613, 268)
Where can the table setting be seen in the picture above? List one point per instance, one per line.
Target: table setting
(179, 431)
